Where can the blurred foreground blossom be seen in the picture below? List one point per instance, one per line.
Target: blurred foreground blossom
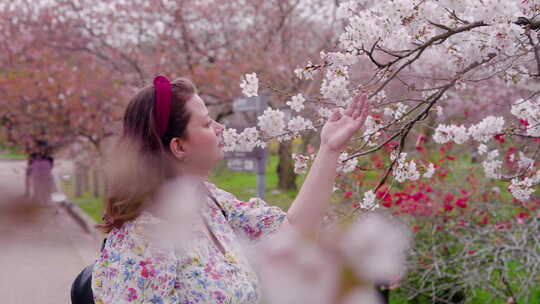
(376, 247)
(178, 206)
(175, 203)
(342, 266)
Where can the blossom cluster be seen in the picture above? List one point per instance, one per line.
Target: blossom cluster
(245, 141)
(522, 189)
(404, 170)
(297, 102)
(529, 113)
(250, 85)
(301, 162)
(482, 132)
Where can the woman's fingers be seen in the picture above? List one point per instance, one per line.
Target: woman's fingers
(361, 105)
(361, 119)
(351, 108)
(358, 107)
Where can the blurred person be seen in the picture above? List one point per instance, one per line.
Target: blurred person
(40, 181)
(27, 182)
(40, 152)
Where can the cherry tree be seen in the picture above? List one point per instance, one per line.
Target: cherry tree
(48, 94)
(436, 50)
(459, 74)
(213, 43)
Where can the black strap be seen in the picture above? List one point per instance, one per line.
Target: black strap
(219, 206)
(209, 193)
(103, 244)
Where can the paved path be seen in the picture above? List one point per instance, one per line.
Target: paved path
(42, 248)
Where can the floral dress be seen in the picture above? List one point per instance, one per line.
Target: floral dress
(131, 270)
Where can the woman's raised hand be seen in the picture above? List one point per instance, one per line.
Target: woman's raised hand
(339, 128)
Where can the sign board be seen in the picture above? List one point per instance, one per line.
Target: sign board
(245, 104)
(250, 161)
(238, 164)
(246, 161)
(255, 153)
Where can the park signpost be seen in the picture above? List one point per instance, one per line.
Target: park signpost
(250, 161)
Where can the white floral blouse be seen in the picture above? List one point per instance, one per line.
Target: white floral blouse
(130, 271)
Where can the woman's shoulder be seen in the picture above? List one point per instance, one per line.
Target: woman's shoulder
(129, 257)
(232, 204)
(131, 244)
(135, 234)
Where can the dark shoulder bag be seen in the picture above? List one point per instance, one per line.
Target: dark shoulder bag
(81, 289)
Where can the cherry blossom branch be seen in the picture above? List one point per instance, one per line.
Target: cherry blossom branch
(434, 40)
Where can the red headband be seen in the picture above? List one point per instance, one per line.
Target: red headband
(162, 107)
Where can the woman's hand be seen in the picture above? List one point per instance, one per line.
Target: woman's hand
(337, 131)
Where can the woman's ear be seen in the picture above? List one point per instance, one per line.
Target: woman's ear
(177, 146)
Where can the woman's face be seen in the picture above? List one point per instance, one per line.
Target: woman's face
(203, 147)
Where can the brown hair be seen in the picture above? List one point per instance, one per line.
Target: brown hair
(140, 162)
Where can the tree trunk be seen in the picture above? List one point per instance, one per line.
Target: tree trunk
(285, 168)
(96, 183)
(306, 140)
(79, 180)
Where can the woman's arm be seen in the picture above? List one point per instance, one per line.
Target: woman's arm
(312, 200)
(310, 205)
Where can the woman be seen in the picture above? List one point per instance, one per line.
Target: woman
(168, 126)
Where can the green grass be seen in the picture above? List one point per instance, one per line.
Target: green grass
(93, 206)
(11, 155)
(244, 185)
(480, 297)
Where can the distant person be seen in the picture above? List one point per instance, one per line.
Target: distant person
(40, 180)
(28, 191)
